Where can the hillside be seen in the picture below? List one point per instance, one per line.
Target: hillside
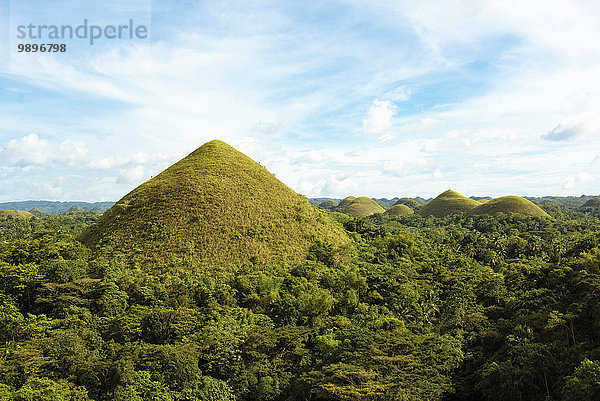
(594, 202)
(15, 214)
(509, 204)
(448, 202)
(399, 210)
(328, 204)
(359, 207)
(214, 207)
(411, 203)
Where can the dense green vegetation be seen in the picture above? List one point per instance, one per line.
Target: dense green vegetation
(214, 281)
(501, 307)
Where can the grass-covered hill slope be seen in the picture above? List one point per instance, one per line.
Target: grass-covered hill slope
(399, 210)
(15, 214)
(214, 207)
(359, 207)
(328, 204)
(411, 203)
(448, 202)
(594, 202)
(509, 204)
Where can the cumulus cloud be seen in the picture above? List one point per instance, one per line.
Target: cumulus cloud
(573, 181)
(437, 174)
(338, 186)
(131, 175)
(394, 168)
(379, 117)
(310, 157)
(574, 126)
(33, 151)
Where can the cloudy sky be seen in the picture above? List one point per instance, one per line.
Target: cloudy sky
(337, 98)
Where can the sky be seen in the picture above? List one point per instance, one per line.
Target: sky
(336, 98)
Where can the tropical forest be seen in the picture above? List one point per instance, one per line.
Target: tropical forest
(215, 281)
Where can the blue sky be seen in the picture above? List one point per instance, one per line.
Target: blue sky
(336, 98)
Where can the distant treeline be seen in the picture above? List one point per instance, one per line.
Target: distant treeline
(55, 207)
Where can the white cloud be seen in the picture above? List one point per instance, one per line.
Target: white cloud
(312, 156)
(574, 126)
(338, 187)
(430, 146)
(32, 151)
(379, 117)
(573, 181)
(395, 168)
(131, 175)
(437, 174)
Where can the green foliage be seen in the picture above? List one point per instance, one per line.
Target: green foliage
(462, 307)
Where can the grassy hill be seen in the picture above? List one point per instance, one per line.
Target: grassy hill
(328, 204)
(448, 202)
(411, 203)
(509, 204)
(359, 207)
(214, 207)
(15, 214)
(594, 202)
(399, 210)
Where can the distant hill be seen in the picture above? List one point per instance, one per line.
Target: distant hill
(594, 202)
(411, 203)
(399, 210)
(56, 207)
(328, 204)
(359, 207)
(216, 207)
(448, 202)
(509, 204)
(15, 214)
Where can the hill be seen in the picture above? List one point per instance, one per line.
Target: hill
(15, 214)
(509, 204)
(359, 207)
(399, 210)
(448, 202)
(594, 202)
(411, 203)
(328, 204)
(215, 207)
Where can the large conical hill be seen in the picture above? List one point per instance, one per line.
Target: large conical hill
(509, 205)
(359, 207)
(215, 207)
(448, 202)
